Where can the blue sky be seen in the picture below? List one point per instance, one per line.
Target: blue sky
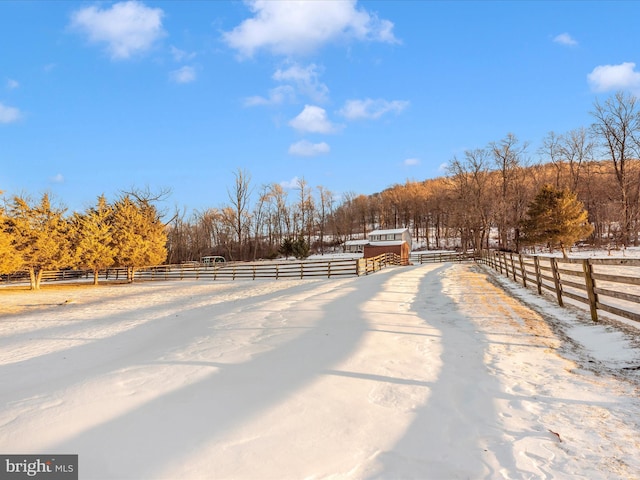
(100, 97)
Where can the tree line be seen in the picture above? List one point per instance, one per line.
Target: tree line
(492, 196)
(37, 236)
(486, 191)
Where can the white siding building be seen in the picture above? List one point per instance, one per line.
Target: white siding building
(397, 235)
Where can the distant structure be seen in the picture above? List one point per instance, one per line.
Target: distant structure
(396, 241)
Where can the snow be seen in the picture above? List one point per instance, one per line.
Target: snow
(428, 371)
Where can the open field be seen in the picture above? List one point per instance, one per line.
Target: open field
(429, 371)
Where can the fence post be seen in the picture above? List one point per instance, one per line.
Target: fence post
(587, 267)
(506, 264)
(536, 267)
(513, 267)
(523, 271)
(556, 280)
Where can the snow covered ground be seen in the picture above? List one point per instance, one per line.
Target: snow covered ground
(430, 372)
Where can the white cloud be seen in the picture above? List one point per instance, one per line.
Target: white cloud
(181, 55)
(371, 109)
(9, 114)
(58, 178)
(411, 162)
(183, 75)
(565, 39)
(614, 77)
(276, 96)
(300, 27)
(288, 184)
(127, 28)
(313, 119)
(304, 148)
(297, 80)
(305, 80)
(12, 84)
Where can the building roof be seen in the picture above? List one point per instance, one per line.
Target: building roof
(389, 232)
(356, 242)
(387, 243)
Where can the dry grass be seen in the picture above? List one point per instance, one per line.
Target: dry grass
(19, 298)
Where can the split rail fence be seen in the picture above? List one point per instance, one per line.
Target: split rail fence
(608, 284)
(230, 270)
(440, 257)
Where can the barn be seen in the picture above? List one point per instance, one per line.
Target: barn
(396, 241)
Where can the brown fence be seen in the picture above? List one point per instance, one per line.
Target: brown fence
(328, 268)
(252, 270)
(608, 284)
(439, 257)
(365, 266)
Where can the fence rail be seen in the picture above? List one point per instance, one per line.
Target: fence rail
(365, 266)
(440, 257)
(328, 268)
(252, 270)
(610, 285)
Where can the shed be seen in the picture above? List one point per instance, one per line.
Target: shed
(395, 234)
(396, 241)
(400, 248)
(355, 246)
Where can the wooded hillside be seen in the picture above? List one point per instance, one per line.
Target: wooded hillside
(484, 190)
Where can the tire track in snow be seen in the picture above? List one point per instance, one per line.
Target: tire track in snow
(454, 432)
(146, 440)
(336, 423)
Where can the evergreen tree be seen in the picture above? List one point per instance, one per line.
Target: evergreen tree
(556, 217)
(286, 247)
(40, 235)
(10, 261)
(139, 237)
(300, 248)
(92, 239)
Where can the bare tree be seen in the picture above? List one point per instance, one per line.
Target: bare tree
(471, 180)
(568, 153)
(258, 218)
(617, 126)
(576, 149)
(551, 149)
(325, 209)
(280, 212)
(305, 208)
(238, 215)
(508, 157)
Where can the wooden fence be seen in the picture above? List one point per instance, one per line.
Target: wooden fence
(328, 268)
(365, 266)
(608, 284)
(439, 257)
(252, 270)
